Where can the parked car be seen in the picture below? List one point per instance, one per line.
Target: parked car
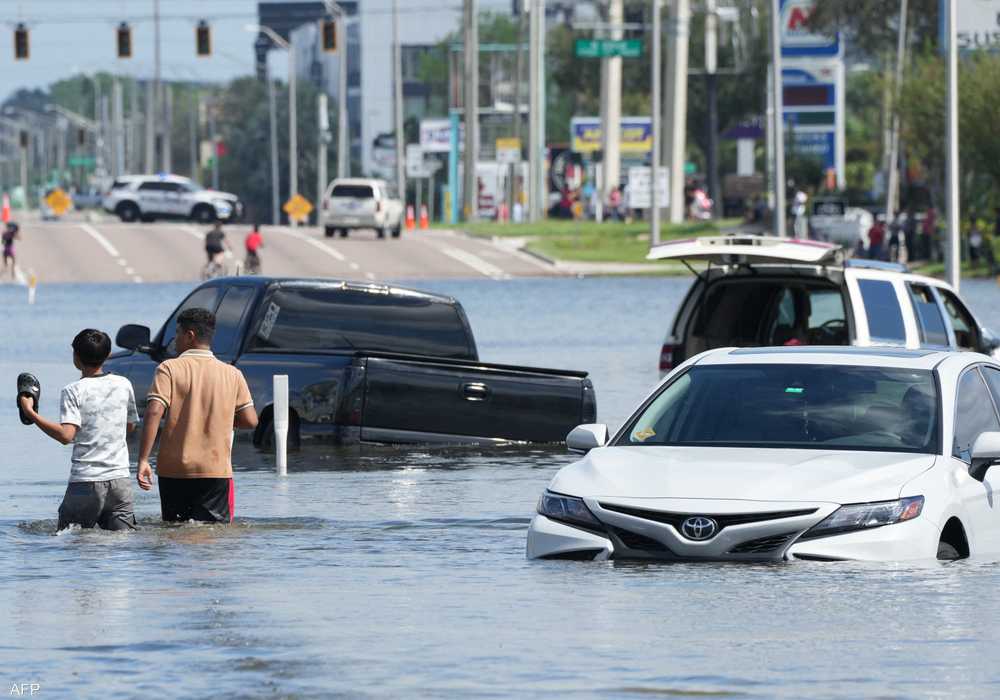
(88, 198)
(353, 203)
(833, 221)
(366, 363)
(789, 454)
(151, 197)
(760, 291)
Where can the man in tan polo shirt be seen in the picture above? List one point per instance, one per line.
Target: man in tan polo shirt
(203, 400)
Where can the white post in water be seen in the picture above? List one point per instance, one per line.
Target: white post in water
(32, 284)
(281, 424)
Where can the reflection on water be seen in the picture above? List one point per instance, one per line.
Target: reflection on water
(401, 572)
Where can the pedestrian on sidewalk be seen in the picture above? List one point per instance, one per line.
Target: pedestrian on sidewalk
(96, 413)
(203, 400)
(876, 237)
(10, 235)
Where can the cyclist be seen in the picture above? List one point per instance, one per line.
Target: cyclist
(253, 242)
(215, 245)
(10, 235)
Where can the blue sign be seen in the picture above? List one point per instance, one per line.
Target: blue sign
(797, 37)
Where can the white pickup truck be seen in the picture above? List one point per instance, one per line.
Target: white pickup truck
(759, 291)
(354, 203)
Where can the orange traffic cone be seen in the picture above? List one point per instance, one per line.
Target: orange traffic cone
(5, 212)
(409, 217)
(424, 222)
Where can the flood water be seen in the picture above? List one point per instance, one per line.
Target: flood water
(401, 573)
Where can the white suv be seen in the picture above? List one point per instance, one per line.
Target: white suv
(149, 197)
(763, 291)
(353, 203)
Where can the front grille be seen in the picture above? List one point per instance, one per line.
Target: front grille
(724, 521)
(764, 545)
(633, 540)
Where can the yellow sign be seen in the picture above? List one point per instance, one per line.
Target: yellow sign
(59, 202)
(297, 208)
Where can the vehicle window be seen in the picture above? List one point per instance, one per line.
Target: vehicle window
(966, 331)
(929, 319)
(205, 298)
(885, 318)
(347, 319)
(228, 317)
(808, 317)
(151, 186)
(974, 413)
(352, 191)
(170, 187)
(828, 407)
(992, 375)
(118, 184)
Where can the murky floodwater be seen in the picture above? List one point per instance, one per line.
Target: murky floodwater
(402, 573)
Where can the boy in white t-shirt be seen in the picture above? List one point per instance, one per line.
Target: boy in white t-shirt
(96, 413)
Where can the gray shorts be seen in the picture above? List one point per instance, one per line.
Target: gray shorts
(106, 504)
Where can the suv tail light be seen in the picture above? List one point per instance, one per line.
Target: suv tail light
(667, 356)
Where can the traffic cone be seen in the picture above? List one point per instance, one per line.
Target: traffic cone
(5, 212)
(424, 222)
(409, 217)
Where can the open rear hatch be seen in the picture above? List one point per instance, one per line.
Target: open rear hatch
(745, 249)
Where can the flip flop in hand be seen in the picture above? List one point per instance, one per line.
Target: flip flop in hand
(28, 385)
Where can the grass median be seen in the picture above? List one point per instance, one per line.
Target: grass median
(589, 241)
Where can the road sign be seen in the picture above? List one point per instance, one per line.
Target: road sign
(639, 178)
(415, 161)
(81, 161)
(58, 201)
(608, 48)
(509, 150)
(297, 208)
(978, 25)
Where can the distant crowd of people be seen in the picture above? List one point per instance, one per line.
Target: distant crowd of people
(916, 236)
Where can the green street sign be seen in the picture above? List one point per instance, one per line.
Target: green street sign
(608, 48)
(82, 162)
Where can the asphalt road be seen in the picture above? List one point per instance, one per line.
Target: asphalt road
(111, 251)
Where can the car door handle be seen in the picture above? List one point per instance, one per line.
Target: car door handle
(475, 391)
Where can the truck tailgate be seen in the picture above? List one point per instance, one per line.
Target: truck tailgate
(415, 400)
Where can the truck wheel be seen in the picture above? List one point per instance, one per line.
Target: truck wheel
(127, 212)
(203, 214)
(329, 231)
(382, 231)
(396, 231)
(344, 232)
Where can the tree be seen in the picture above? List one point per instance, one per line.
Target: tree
(870, 27)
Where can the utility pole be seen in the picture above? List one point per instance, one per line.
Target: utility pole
(118, 128)
(536, 111)
(275, 185)
(654, 159)
(892, 166)
(675, 105)
(167, 158)
(515, 192)
(193, 133)
(470, 187)
(215, 144)
(157, 114)
(343, 127)
(611, 77)
(712, 93)
(778, 107)
(150, 162)
(954, 270)
(397, 66)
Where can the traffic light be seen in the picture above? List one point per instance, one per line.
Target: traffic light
(329, 35)
(23, 138)
(124, 41)
(81, 136)
(203, 38)
(21, 43)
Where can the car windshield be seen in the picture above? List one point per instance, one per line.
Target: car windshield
(794, 406)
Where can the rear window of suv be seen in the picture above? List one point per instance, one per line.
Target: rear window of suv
(353, 191)
(350, 319)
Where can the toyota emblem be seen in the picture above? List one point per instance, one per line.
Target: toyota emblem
(699, 528)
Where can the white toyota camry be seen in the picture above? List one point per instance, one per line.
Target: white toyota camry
(815, 453)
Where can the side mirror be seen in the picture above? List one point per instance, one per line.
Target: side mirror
(584, 438)
(990, 341)
(134, 337)
(985, 453)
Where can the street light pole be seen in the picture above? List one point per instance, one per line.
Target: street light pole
(954, 275)
(654, 161)
(536, 111)
(471, 103)
(343, 140)
(778, 107)
(397, 65)
(275, 185)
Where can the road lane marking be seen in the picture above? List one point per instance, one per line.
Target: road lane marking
(484, 268)
(101, 240)
(191, 230)
(332, 252)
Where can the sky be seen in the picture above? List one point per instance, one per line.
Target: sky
(69, 37)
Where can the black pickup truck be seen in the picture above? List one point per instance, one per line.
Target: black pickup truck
(366, 363)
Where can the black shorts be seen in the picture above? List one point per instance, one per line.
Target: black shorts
(205, 500)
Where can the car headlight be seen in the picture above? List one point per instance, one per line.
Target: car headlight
(864, 516)
(222, 207)
(567, 509)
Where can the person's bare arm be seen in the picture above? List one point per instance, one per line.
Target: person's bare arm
(60, 432)
(150, 426)
(246, 419)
